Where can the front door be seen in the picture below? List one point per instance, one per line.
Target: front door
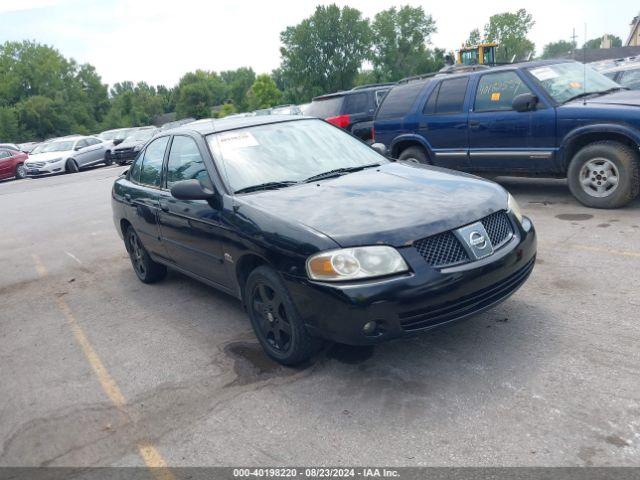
(142, 199)
(502, 139)
(444, 123)
(191, 229)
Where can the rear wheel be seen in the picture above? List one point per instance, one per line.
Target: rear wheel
(414, 155)
(107, 158)
(21, 171)
(71, 166)
(604, 175)
(146, 269)
(275, 321)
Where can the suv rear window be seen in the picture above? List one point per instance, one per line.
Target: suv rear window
(325, 107)
(399, 100)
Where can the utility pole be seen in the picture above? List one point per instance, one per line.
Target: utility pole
(573, 42)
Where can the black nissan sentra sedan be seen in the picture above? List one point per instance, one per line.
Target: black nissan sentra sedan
(319, 235)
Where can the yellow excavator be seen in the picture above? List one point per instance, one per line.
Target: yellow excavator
(480, 54)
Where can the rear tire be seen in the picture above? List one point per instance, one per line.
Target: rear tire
(21, 171)
(107, 158)
(276, 323)
(71, 166)
(604, 175)
(146, 269)
(414, 155)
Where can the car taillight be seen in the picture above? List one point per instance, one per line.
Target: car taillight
(341, 121)
(373, 134)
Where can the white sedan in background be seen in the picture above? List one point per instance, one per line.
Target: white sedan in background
(67, 154)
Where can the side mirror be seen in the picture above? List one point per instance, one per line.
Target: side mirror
(77, 147)
(381, 148)
(191, 190)
(118, 141)
(525, 102)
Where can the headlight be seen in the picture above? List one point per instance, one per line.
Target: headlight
(355, 263)
(513, 206)
(54, 160)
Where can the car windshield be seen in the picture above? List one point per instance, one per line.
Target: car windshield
(57, 146)
(564, 81)
(140, 135)
(287, 152)
(110, 135)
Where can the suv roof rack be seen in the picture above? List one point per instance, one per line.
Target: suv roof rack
(448, 70)
(373, 85)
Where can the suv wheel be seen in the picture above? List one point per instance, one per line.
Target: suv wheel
(604, 175)
(275, 321)
(146, 269)
(414, 155)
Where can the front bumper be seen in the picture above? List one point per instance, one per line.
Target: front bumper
(41, 168)
(421, 300)
(122, 156)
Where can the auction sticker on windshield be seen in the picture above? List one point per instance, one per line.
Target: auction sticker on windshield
(237, 140)
(544, 73)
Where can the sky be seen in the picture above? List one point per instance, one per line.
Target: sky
(158, 41)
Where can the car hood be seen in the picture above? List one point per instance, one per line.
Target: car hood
(394, 204)
(131, 144)
(43, 157)
(624, 97)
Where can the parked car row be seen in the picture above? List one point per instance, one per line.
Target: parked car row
(625, 71)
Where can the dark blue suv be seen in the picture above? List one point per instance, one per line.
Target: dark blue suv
(548, 119)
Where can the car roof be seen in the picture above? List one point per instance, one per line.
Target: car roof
(223, 124)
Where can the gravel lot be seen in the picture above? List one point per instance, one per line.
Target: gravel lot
(98, 369)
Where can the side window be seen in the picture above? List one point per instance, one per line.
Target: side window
(81, 143)
(4, 154)
(93, 141)
(496, 91)
(430, 106)
(451, 95)
(357, 103)
(380, 96)
(185, 161)
(399, 99)
(151, 171)
(134, 171)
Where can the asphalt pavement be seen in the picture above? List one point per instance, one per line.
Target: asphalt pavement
(98, 369)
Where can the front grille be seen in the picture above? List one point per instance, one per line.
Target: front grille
(440, 250)
(498, 228)
(124, 150)
(445, 250)
(467, 305)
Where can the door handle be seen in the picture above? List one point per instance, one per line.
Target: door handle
(474, 124)
(164, 207)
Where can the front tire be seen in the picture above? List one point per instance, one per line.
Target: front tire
(71, 166)
(414, 155)
(146, 269)
(276, 323)
(21, 171)
(604, 175)
(107, 158)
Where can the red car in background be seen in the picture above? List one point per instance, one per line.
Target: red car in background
(12, 164)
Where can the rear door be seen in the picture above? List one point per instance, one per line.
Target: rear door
(503, 139)
(444, 123)
(6, 164)
(191, 229)
(142, 200)
(95, 150)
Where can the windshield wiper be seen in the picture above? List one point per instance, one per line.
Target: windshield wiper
(602, 92)
(266, 186)
(338, 172)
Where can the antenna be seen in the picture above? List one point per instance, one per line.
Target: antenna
(584, 66)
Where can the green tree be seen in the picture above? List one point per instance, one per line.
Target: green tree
(510, 30)
(226, 110)
(324, 52)
(557, 49)
(263, 93)
(474, 37)
(595, 43)
(400, 39)
(133, 105)
(9, 129)
(197, 92)
(238, 82)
